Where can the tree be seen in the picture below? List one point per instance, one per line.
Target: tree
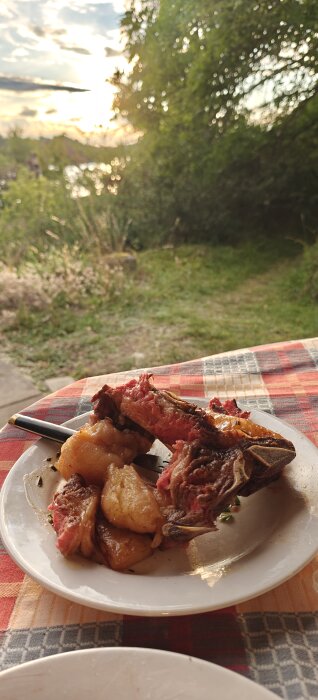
(222, 91)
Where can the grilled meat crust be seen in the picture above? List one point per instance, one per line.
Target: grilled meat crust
(160, 413)
(74, 510)
(105, 406)
(216, 456)
(204, 481)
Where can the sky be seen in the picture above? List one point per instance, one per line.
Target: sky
(56, 57)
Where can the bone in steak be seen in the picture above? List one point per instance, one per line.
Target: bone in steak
(202, 481)
(161, 413)
(213, 460)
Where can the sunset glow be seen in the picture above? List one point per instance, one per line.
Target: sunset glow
(75, 45)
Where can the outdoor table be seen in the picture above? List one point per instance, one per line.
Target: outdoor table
(272, 639)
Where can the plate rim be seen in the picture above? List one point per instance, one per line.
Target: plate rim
(130, 609)
(216, 671)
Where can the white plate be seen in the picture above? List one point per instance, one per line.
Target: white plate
(124, 672)
(273, 536)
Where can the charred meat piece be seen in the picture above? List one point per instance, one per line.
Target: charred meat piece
(170, 419)
(202, 481)
(160, 413)
(269, 450)
(229, 407)
(105, 407)
(216, 455)
(74, 511)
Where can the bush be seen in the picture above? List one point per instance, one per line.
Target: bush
(38, 215)
(61, 274)
(35, 212)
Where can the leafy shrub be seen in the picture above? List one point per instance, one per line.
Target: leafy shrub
(34, 213)
(38, 215)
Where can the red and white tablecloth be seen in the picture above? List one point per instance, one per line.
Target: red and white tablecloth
(273, 639)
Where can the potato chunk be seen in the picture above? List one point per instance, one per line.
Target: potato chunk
(90, 450)
(121, 549)
(128, 502)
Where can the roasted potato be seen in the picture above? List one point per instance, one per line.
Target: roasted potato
(128, 502)
(90, 450)
(121, 549)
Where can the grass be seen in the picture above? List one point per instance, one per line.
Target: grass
(179, 304)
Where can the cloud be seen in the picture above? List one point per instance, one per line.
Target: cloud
(54, 57)
(17, 13)
(28, 112)
(39, 31)
(110, 53)
(76, 49)
(27, 85)
(100, 16)
(20, 52)
(59, 40)
(46, 31)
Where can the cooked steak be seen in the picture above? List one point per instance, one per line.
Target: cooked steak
(229, 407)
(160, 413)
(202, 481)
(105, 406)
(74, 511)
(217, 454)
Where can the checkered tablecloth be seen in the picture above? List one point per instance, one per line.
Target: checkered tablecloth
(273, 639)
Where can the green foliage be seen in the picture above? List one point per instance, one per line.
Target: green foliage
(57, 152)
(304, 280)
(32, 216)
(180, 303)
(39, 214)
(208, 56)
(225, 95)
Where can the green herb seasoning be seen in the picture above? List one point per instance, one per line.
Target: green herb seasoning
(225, 517)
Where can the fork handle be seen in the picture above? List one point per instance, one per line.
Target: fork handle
(58, 433)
